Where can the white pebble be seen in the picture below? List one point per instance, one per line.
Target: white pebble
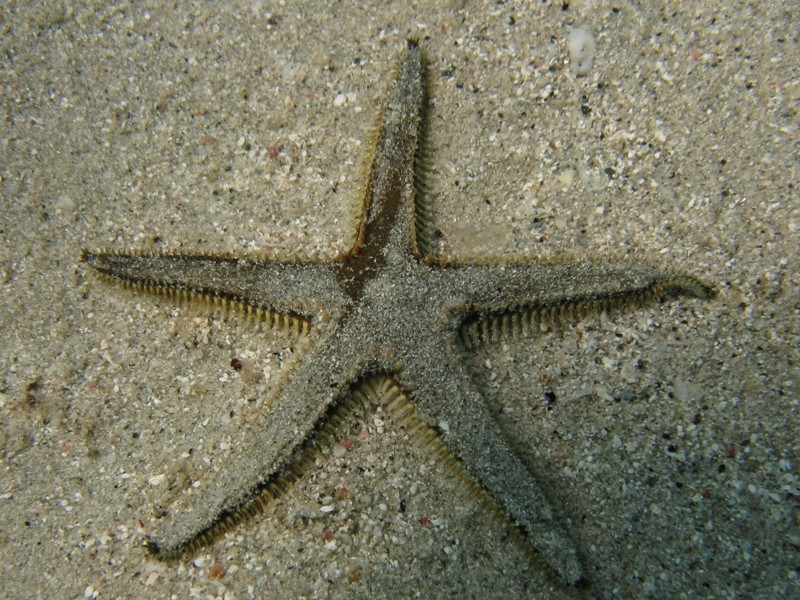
(567, 176)
(582, 46)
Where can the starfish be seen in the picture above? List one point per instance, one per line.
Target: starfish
(391, 322)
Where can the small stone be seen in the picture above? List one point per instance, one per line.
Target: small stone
(582, 46)
(602, 394)
(567, 176)
(686, 391)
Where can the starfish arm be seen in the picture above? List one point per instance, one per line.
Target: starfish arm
(281, 293)
(391, 214)
(493, 300)
(301, 412)
(445, 395)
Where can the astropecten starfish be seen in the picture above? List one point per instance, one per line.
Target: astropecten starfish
(390, 321)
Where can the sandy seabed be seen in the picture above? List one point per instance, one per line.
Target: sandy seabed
(666, 437)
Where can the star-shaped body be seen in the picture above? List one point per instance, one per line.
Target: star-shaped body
(388, 315)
